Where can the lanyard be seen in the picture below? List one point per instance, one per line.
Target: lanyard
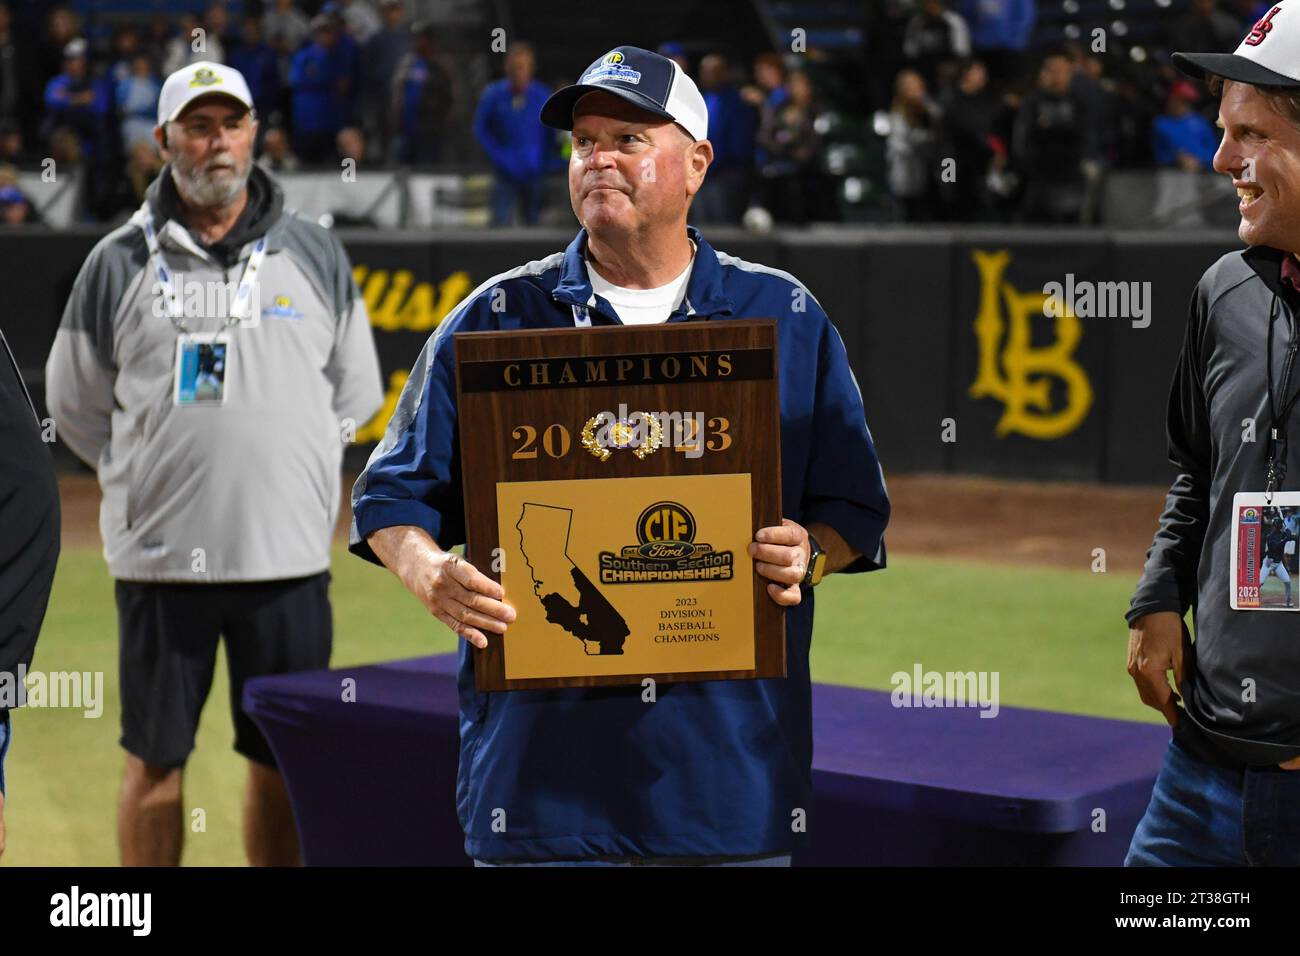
(241, 308)
(1277, 430)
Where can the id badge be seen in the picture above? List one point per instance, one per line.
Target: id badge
(202, 368)
(1265, 552)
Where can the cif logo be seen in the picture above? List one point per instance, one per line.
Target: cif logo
(614, 58)
(666, 530)
(1017, 373)
(1250, 514)
(204, 76)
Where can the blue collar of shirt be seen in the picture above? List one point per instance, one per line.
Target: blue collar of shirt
(704, 297)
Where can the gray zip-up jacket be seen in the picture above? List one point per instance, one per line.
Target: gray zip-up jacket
(1241, 685)
(248, 490)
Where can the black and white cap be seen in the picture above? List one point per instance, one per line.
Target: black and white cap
(1269, 56)
(648, 80)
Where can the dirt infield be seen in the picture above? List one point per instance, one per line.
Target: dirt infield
(976, 519)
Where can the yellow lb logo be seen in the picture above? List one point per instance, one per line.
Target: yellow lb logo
(614, 57)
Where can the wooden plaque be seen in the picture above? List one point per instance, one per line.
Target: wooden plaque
(614, 478)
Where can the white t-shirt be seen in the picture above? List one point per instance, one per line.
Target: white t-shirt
(643, 306)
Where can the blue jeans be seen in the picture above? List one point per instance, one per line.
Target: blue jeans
(4, 746)
(507, 193)
(1203, 815)
(779, 860)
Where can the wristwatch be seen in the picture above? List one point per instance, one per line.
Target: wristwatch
(816, 564)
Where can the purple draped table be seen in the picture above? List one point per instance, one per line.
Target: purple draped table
(372, 780)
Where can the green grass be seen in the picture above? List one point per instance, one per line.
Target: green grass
(1056, 638)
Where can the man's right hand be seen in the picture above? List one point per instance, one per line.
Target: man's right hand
(1156, 645)
(450, 588)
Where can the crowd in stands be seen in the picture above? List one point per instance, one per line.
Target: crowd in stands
(1029, 133)
(976, 124)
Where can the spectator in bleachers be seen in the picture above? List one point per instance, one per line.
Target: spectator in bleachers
(74, 101)
(911, 148)
(768, 89)
(971, 120)
(508, 126)
(136, 96)
(350, 144)
(1088, 84)
(383, 58)
(192, 43)
(1205, 27)
(277, 156)
(349, 50)
(157, 36)
(126, 44)
(64, 148)
(675, 52)
(142, 167)
(258, 62)
(14, 68)
(934, 36)
(359, 19)
(319, 78)
(1182, 138)
(1055, 138)
(216, 23)
(732, 126)
(285, 27)
(13, 145)
(1000, 33)
(792, 186)
(15, 208)
(1133, 114)
(766, 95)
(422, 95)
(60, 30)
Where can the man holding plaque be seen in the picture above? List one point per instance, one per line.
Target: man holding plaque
(709, 772)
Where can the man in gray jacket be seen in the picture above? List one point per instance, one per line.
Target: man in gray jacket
(1228, 793)
(213, 359)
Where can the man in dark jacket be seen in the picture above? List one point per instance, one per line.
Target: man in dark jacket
(29, 546)
(1229, 791)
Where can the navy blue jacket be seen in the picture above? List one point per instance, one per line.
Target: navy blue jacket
(711, 768)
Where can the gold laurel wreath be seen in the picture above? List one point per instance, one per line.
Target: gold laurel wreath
(653, 440)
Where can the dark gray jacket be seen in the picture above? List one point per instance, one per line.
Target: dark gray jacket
(29, 517)
(1220, 383)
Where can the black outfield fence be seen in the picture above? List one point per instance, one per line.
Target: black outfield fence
(960, 368)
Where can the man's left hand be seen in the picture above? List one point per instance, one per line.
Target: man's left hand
(1291, 764)
(781, 555)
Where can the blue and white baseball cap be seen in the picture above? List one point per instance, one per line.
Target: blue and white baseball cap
(648, 80)
(1268, 56)
(204, 78)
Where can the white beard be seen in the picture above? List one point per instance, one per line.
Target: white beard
(205, 189)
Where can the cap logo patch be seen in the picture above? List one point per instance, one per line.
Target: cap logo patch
(1262, 28)
(205, 77)
(612, 68)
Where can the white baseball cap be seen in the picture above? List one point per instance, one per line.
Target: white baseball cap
(1268, 56)
(204, 78)
(648, 80)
